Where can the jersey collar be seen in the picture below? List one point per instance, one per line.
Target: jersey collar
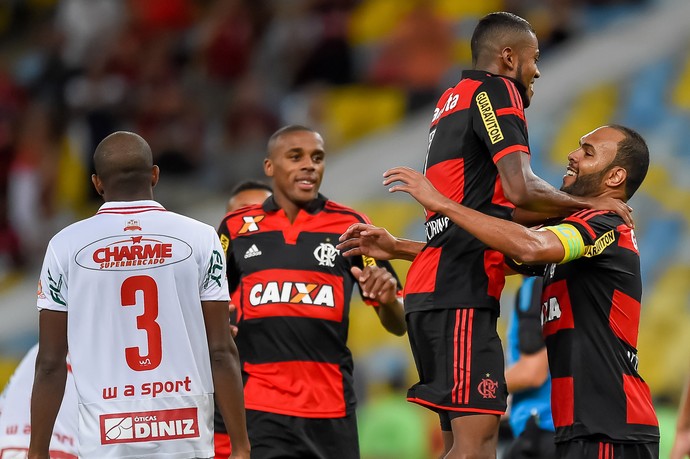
(312, 207)
(482, 74)
(129, 207)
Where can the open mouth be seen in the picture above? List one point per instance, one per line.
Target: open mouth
(306, 183)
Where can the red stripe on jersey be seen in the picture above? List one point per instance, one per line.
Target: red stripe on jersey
(584, 223)
(511, 92)
(557, 313)
(511, 111)
(499, 197)
(515, 96)
(295, 388)
(493, 267)
(562, 401)
(508, 150)
(421, 278)
(469, 325)
(624, 318)
(456, 382)
(419, 401)
(638, 401)
(448, 177)
(299, 294)
(455, 99)
(627, 238)
(130, 210)
(462, 355)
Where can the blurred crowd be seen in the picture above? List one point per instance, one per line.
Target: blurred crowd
(207, 81)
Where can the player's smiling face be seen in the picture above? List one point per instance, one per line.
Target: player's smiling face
(296, 164)
(589, 164)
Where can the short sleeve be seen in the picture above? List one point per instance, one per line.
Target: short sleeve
(52, 284)
(498, 118)
(215, 282)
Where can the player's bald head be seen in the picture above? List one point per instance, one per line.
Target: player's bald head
(273, 140)
(496, 31)
(124, 160)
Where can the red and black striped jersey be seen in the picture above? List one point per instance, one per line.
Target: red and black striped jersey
(475, 124)
(591, 316)
(292, 289)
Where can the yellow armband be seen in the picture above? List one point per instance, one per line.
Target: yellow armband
(571, 239)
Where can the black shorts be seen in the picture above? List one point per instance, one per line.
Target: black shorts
(275, 436)
(586, 449)
(459, 359)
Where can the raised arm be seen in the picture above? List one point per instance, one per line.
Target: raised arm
(227, 378)
(527, 191)
(521, 244)
(49, 381)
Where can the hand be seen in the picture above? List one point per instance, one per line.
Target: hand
(369, 240)
(416, 185)
(377, 284)
(233, 328)
(614, 205)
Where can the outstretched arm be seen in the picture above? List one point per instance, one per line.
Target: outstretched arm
(376, 242)
(527, 191)
(227, 379)
(521, 244)
(379, 285)
(49, 381)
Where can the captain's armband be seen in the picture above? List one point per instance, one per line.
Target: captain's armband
(571, 239)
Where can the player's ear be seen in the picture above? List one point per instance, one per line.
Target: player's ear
(268, 167)
(616, 177)
(155, 175)
(97, 184)
(508, 58)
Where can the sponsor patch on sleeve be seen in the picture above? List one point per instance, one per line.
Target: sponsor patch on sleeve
(224, 242)
(486, 110)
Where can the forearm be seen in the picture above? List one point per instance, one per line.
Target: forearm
(229, 392)
(406, 249)
(529, 372)
(519, 243)
(540, 197)
(392, 317)
(46, 398)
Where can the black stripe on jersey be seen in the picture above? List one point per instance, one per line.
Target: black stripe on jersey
(280, 344)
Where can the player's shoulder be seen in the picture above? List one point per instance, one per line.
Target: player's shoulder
(243, 211)
(596, 217)
(496, 84)
(346, 211)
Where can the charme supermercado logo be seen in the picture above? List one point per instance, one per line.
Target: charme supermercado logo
(149, 426)
(146, 251)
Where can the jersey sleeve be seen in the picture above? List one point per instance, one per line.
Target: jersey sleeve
(215, 283)
(586, 234)
(528, 313)
(232, 270)
(498, 118)
(52, 284)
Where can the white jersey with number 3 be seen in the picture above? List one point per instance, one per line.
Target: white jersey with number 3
(131, 279)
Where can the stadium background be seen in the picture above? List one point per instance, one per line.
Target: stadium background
(206, 82)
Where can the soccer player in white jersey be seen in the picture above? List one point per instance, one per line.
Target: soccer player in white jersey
(139, 296)
(15, 424)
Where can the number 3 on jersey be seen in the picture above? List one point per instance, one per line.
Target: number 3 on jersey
(146, 321)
